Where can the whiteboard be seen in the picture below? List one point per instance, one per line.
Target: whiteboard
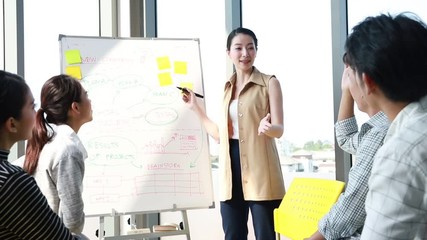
(147, 151)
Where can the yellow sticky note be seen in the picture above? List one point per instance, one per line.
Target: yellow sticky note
(163, 63)
(188, 85)
(165, 79)
(74, 71)
(180, 67)
(73, 56)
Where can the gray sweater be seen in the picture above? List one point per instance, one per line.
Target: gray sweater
(60, 174)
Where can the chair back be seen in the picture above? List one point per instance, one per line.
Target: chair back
(306, 201)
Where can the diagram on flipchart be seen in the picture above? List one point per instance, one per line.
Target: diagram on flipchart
(146, 149)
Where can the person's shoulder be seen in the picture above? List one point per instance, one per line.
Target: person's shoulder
(59, 149)
(13, 175)
(19, 162)
(416, 123)
(263, 74)
(8, 168)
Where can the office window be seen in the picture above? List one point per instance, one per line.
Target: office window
(294, 39)
(358, 10)
(44, 20)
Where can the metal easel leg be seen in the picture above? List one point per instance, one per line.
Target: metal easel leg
(101, 228)
(186, 226)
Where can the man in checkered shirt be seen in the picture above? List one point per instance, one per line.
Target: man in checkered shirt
(388, 55)
(347, 216)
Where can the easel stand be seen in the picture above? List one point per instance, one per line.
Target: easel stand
(144, 236)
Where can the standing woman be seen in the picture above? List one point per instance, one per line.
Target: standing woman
(24, 211)
(252, 117)
(55, 155)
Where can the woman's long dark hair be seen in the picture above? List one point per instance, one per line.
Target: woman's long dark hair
(57, 95)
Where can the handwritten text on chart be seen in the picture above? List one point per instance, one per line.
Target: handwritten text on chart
(183, 184)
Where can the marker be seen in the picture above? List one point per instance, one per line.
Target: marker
(185, 91)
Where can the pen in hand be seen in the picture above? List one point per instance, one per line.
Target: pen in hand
(184, 90)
